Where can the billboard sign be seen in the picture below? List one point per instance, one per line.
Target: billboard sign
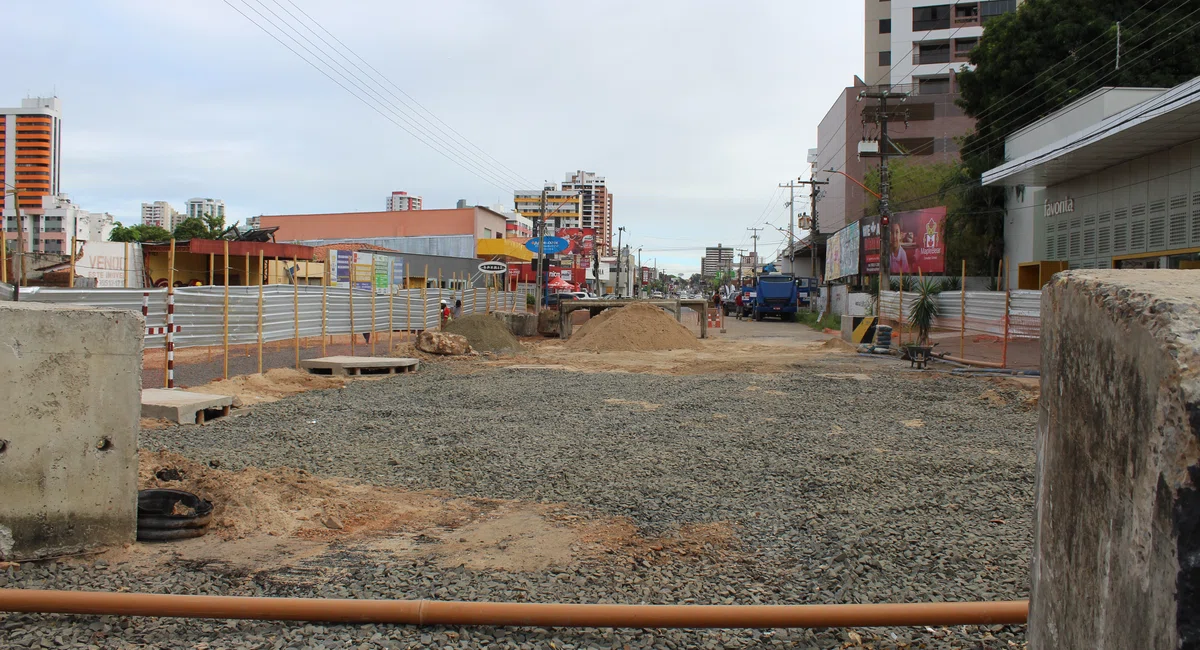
(918, 242)
(550, 246)
(366, 271)
(108, 264)
(582, 240)
(841, 253)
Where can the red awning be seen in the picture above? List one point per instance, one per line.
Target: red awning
(559, 283)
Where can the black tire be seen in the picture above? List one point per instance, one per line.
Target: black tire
(156, 520)
(144, 535)
(758, 315)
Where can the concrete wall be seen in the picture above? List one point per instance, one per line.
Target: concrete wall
(71, 380)
(1117, 525)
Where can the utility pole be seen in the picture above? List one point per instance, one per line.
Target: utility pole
(883, 93)
(617, 287)
(791, 223)
(812, 184)
(754, 258)
(541, 270)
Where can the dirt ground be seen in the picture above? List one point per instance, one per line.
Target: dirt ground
(265, 519)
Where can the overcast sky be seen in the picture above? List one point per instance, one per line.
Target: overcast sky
(694, 110)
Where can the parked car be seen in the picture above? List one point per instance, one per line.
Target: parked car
(656, 295)
(553, 300)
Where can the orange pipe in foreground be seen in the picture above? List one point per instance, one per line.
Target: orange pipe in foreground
(429, 612)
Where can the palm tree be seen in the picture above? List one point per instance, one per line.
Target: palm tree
(924, 310)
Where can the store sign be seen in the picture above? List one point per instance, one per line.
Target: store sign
(492, 267)
(1056, 208)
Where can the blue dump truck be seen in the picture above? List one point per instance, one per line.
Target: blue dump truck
(777, 296)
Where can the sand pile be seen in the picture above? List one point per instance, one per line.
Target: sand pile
(271, 386)
(837, 345)
(485, 333)
(635, 328)
(285, 501)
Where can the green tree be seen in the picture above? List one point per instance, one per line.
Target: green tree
(914, 185)
(205, 227)
(1032, 62)
(138, 233)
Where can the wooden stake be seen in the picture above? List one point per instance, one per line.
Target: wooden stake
(246, 282)
(425, 299)
(901, 323)
(260, 314)
(225, 314)
(373, 293)
(475, 301)
(296, 308)
(962, 327)
(324, 295)
(4, 250)
(407, 303)
(1004, 344)
(170, 292)
(71, 271)
(211, 263)
(124, 267)
(391, 309)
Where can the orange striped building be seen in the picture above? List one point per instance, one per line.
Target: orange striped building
(29, 140)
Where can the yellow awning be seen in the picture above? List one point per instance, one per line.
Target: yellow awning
(506, 250)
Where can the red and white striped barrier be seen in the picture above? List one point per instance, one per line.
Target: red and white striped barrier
(168, 330)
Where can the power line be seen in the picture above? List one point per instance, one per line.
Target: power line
(467, 165)
(458, 137)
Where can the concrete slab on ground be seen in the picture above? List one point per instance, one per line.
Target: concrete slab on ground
(353, 366)
(183, 406)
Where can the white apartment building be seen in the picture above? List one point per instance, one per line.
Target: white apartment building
(161, 214)
(49, 228)
(596, 204)
(921, 42)
(402, 201)
(200, 207)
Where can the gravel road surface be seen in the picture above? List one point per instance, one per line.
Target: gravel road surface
(847, 481)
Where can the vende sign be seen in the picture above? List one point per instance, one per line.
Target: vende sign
(1059, 207)
(108, 264)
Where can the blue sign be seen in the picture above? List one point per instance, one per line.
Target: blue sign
(553, 245)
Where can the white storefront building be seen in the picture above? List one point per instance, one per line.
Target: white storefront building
(1109, 181)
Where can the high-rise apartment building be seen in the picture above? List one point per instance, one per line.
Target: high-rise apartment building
(49, 227)
(161, 214)
(596, 205)
(30, 138)
(198, 208)
(562, 207)
(401, 201)
(922, 43)
(715, 260)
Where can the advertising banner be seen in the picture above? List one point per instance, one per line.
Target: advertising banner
(841, 253)
(107, 263)
(366, 270)
(918, 242)
(582, 240)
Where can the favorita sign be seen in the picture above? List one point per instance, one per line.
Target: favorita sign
(1059, 207)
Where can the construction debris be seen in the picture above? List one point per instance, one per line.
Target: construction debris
(636, 328)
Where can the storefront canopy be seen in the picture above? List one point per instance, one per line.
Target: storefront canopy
(1165, 121)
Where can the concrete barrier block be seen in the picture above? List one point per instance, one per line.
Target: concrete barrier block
(1117, 525)
(520, 324)
(71, 380)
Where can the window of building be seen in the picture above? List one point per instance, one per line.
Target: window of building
(939, 85)
(487, 233)
(932, 53)
(992, 8)
(963, 46)
(885, 25)
(885, 57)
(929, 18)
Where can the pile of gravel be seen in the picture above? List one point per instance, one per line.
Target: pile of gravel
(906, 487)
(485, 333)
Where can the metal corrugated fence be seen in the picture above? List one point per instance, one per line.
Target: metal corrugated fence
(199, 311)
(985, 311)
